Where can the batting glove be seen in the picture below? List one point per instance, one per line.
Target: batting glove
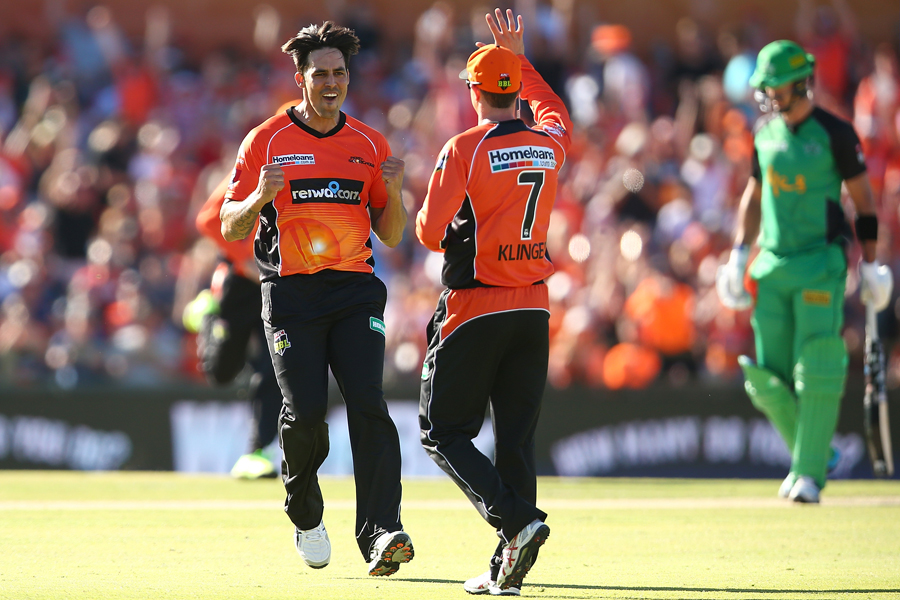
(730, 280)
(876, 284)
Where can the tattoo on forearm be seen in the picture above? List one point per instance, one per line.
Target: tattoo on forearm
(241, 222)
(245, 222)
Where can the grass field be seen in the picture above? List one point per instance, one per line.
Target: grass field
(164, 535)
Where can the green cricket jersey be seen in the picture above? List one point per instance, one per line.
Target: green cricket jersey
(801, 169)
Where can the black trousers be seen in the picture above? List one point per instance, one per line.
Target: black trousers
(231, 339)
(497, 360)
(313, 322)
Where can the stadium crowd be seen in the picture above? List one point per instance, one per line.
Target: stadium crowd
(110, 145)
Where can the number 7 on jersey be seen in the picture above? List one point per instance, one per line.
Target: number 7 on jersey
(536, 180)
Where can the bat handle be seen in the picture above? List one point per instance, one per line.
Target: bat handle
(871, 321)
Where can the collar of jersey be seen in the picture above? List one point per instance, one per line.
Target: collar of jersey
(796, 126)
(313, 132)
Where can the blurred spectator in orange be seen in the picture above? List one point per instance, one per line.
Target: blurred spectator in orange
(876, 109)
(663, 311)
(630, 366)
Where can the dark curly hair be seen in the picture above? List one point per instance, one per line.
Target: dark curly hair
(316, 37)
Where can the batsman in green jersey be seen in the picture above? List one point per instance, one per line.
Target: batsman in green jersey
(791, 207)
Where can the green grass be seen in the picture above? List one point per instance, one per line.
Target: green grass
(163, 535)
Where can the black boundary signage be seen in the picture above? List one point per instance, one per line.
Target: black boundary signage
(691, 431)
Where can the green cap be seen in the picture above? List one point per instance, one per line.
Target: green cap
(781, 62)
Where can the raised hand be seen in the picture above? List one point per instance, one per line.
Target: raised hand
(504, 34)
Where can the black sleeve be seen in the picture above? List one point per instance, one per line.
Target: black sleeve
(755, 171)
(845, 147)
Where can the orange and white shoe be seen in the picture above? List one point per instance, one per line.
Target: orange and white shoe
(389, 552)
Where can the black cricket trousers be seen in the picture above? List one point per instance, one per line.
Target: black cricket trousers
(333, 319)
(497, 360)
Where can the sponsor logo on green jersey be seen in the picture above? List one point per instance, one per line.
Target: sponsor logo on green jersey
(780, 183)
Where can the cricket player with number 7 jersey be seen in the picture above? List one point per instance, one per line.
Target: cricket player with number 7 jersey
(488, 209)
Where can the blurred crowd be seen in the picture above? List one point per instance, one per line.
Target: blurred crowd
(109, 146)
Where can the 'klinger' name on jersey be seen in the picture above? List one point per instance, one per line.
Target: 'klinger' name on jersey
(294, 159)
(509, 252)
(521, 157)
(323, 190)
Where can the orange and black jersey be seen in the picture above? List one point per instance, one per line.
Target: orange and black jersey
(491, 194)
(320, 219)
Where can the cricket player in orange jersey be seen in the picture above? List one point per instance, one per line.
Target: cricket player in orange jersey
(488, 209)
(318, 182)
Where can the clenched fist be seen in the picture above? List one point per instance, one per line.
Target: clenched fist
(271, 181)
(392, 174)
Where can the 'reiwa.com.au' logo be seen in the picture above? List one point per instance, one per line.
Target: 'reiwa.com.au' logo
(326, 190)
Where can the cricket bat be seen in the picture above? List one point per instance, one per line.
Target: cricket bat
(875, 402)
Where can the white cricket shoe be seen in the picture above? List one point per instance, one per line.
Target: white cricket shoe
(805, 490)
(520, 553)
(313, 546)
(389, 551)
(483, 584)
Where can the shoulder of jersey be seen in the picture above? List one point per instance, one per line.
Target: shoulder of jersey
(371, 132)
(763, 121)
(473, 134)
(272, 124)
(829, 120)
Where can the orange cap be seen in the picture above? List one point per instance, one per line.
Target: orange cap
(495, 69)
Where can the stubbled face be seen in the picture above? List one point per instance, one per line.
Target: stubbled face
(781, 97)
(324, 82)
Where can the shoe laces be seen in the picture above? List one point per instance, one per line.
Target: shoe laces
(314, 535)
